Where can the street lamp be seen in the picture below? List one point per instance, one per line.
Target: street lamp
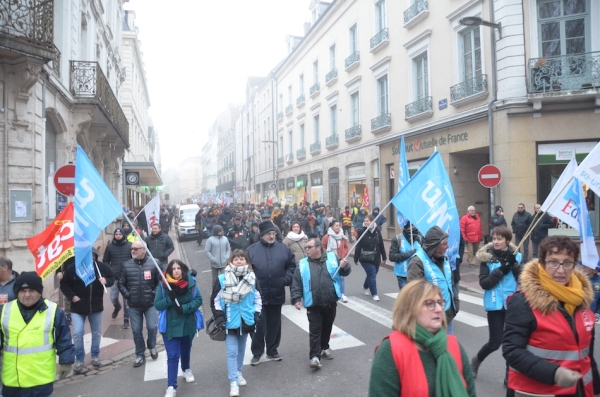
(477, 21)
(274, 164)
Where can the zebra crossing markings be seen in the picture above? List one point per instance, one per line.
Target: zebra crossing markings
(157, 369)
(87, 342)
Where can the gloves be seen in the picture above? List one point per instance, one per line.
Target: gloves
(565, 377)
(511, 259)
(179, 310)
(64, 371)
(220, 320)
(505, 267)
(411, 253)
(172, 295)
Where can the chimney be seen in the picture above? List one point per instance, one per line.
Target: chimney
(306, 27)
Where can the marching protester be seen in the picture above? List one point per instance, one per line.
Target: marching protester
(549, 330)
(210, 221)
(236, 305)
(520, 223)
(315, 285)
(379, 221)
(217, 250)
(238, 235)
(160, 245)
(370, 251)
(296, 241)
(24, 326)
(266, 216)
(87, 301)
(199, 225)
(498, 274)
(131, 237)
(7, 280)
(325, 224)
(336, 241)
(273, 264)
(433, 252)
(401, 251)
(471, 232)
(254, 233)
(419, 359)
(116, 253)
(359, 219)
(346, 217)
(180, 326)
(540, 230)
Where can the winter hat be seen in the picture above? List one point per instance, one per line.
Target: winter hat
(217, 229)
(498, 208)
(254, 224)
(266, 227)
(29, 280)
(363, 209)
(238, 216)
(119, 230)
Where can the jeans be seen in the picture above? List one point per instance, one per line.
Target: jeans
(320, 323)
(535, 245)
(78, 321)
(402, 281)
(496, 328)
(236, 347)
(215, 273)
(137, 321)
(348, 230)
(268, 331)
(114, 298)
(371, 280)
(450, 329)
(342, 285)
(525, 247)
(177, 348)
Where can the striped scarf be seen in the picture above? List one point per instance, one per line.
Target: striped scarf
(239, 282)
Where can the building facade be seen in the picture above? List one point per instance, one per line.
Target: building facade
(224, 128)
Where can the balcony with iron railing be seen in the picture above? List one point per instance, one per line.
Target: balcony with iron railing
(381, 123)
(557, 74)
(352, 61)
(331, 77)
(315, 89)
(354, 133)
(301, 153)
(289, 109)
(56, 63)
(280, 160)
(469, 90)
(332, 141)
(280, 116)
(300, 101)
(315, 148)
(289, 158)
(90, 86)
(27, 26)
(380, 40)
(419, 109)
(415, 13)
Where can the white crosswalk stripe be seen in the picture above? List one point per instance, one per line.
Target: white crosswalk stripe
(87, 342)
(157, 369)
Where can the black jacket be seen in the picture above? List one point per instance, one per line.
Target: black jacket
(116, 254)
(92, 296)
(274, 266)
(520, 223)
(239, 237)
(540, 230)
(497, 220)
(225, 218)
(371, 242)
(395, 254)
(160, 246)
(138, 282)
(321, 283)
(487, 254)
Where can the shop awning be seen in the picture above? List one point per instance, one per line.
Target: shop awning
(148, 174)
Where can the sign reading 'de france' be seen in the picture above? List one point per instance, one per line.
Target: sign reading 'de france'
(442, 140)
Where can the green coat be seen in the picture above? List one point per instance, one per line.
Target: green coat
(179, 325)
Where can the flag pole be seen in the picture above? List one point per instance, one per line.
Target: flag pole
(100, 274)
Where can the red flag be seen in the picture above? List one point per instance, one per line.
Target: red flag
(366, 201)
(52, 247)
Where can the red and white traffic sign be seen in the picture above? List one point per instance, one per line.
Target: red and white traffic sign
(64, 180)
(489, 176)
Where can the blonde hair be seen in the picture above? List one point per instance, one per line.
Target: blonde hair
(409, 303)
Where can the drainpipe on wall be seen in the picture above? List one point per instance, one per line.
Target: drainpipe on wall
(491, 104)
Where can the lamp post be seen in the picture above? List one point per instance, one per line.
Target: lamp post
(477, 21)
(275, 153)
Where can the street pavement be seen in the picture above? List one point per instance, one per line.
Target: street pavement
(359, 327)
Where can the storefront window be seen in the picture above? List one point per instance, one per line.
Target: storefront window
(302, 189)
(316, 187)
(357, 181)
(290, 191)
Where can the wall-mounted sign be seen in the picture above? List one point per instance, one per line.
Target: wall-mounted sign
(443, 104)
(357, 173)
(442, 140)
(565, 154)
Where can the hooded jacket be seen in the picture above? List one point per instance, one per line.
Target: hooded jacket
(138, 282)
(359, 218)
(521, 323)
(116, 253)
(91, 298)
(379, 221)
(217, 249)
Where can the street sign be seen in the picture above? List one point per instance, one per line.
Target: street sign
(64, 180)
(489, 176)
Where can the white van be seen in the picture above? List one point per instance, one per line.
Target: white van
(186, 228)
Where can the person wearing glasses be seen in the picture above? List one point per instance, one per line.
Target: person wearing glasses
(549, 330)
(419, 359)
(315, 286)
(138, 282)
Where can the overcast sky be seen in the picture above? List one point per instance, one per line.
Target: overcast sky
(197, 55)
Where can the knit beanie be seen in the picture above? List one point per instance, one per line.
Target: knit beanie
(266, 227)
(29, 280)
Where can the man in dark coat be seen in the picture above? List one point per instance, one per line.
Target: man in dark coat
(116, 253)
(540, 230)
(274, 264)
(520, 223)
(238, 235)
(160, 245)
(225, 218)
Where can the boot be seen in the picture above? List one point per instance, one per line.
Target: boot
(475, 363)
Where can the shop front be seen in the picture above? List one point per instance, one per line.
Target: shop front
(302, 189)
(290, 191)
(281, 191)
(357, 182)
(316, 187)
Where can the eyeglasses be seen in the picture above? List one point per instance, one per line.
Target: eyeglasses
(135, 249)
(430, 304)
(556, 264)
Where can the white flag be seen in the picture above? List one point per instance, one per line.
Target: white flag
(559, 188)
(589, 254)
(588, 171)
(152, 212)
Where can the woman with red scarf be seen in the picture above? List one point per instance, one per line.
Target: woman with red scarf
(181, 319)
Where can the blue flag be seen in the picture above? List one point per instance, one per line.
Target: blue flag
(403, 178)
(95, 208)
(428, 200)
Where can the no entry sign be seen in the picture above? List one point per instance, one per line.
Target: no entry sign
(64, 180)
(489, 176)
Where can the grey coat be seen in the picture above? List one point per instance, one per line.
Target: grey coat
(218, 251)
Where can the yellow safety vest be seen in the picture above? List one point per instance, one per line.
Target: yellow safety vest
(29, 352)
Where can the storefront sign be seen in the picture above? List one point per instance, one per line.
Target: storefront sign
(316, 179)
(357, 173)
(565, 154)
(442, 140)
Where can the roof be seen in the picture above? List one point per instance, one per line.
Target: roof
(254, 81)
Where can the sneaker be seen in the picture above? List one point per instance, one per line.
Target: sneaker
(189, 376)
(234, 390)
(475, 363)
(153, 354)
(344, 299)
(96, 362)
(126, 324)
(139, 361)
(78, 368)
(255, 360)
(241, 380)
(326, 354)
(115, 313)
(315, 363)
(366, 292)
(376, 298)
(171, 392)
(275, 357)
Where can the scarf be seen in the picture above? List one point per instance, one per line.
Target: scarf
(448, 381)
(296, 237)
(332, 242)
(179, 286)
(571, 294)
(239, 282)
